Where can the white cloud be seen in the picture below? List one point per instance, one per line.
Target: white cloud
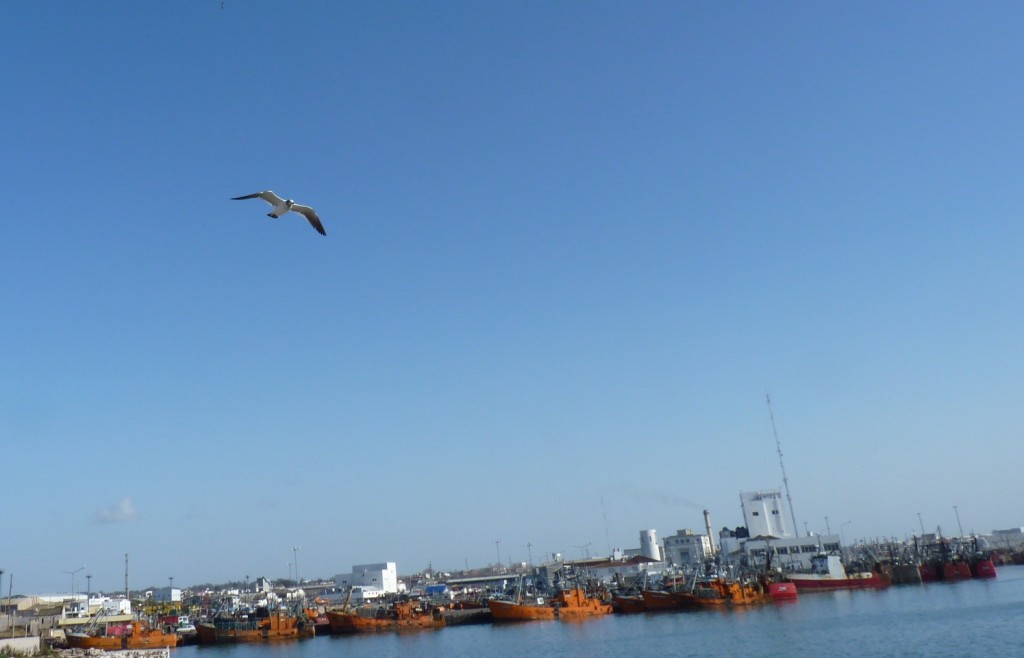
(122, 512)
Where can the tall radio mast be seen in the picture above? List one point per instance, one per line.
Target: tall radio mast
(778, 448)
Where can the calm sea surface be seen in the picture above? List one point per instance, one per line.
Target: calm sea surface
(972, 618)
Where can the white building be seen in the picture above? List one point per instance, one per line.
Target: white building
(382, 576)
(764, 514)
(768, 534)
(167, 595)
(687, 549)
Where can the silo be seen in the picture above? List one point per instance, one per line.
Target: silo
(649, 544)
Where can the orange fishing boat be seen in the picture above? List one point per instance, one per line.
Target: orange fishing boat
(657, 599)
(575, 604)
(629, 604)
(539, 610)
(569, 604)
(719, 592)
(280, 625)
(113, 637)
(402, 616)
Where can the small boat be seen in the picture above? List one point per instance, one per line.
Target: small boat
(400, 616)
(114, 637)
(265, 626)
(828, 573)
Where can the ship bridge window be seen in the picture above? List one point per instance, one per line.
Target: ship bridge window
(782, 550)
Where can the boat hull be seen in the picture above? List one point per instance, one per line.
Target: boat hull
(811, 582)
(782, 592)
(629, 605)
(568, 605)
(136, 636)
(655, 600)
(401, 617)
(511, 611)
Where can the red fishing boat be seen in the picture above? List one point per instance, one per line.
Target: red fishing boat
(827, 573)
(983, 568)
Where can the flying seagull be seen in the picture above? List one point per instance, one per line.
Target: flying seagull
(281, 206)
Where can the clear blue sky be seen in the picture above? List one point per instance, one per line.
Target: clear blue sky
(570, 246)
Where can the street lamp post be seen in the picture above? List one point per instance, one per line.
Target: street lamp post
(73, 579)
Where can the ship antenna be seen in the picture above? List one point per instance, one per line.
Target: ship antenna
(606, 537)
(778, 448)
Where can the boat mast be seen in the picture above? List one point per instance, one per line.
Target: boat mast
(778, 448)
(127, 596)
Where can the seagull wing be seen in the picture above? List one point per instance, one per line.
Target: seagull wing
(311, 216)
(267, 196)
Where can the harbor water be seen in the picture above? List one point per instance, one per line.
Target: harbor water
(969, 618)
